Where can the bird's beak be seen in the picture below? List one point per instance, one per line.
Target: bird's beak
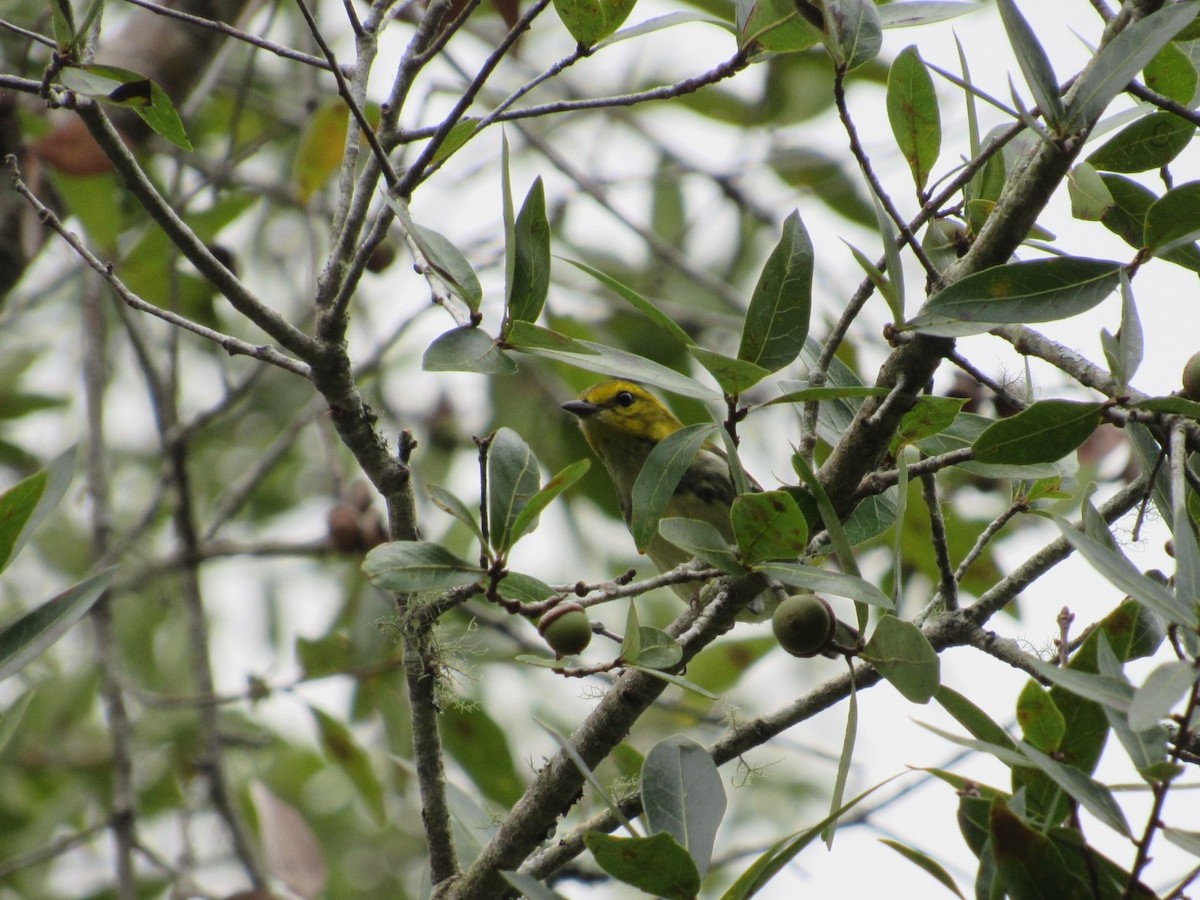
(581, 408)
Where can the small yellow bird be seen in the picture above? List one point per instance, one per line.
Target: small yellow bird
(622, 422)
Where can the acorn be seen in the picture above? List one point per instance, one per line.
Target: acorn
(804, 625)
(566, 629)
(1191, 377)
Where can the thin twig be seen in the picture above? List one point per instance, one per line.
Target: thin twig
(941, 550)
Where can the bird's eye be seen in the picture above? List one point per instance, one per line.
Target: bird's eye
(624, 399)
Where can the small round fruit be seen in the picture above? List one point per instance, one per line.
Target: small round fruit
(804, 625)
(1191, 377)
(566, 629)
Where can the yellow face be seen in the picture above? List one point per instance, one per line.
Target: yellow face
(622, 407)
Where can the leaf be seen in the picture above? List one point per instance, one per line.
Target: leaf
(963, 433)
(733, 375)
(661, 320)
(1039, 290)
(656, 649)
(683, 796)
(1029, 862)
(451, 504)
(823, 581)
(589, 776)
(405, 566)
(23, 641)
(25, 505)
(1118, 62)
(1043, 432)
(972, 718)
(778, 318)
(922, 12)
(773, 25)
(481, 747)
(769, 525)
(591, 21)
(853, 30)
(446, 260)
(1173, 221)
(931, 415)
(1163, 688)
(1042, 723)
(913, 113)
(529, 513)
(904, 656)
(344, 752)
(660, 475)
(926, 863)
(530, 887)
(525, 588)
(1149, 143)
(536, 341)
(1116, 567)
(121, 87)
(657, 864)
(1090, 197)
(1035, 65)
(512, 472)
(702, 540)
(290, 849)
(660, 23)
(1172, 74)
(467, 349)
(529, 281)
(1103, 689)
(321, 145)
(1124, 352)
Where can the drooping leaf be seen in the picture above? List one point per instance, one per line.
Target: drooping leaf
(923, 12)
(824, 581)
(913, 112)
(660, 319)
(527, 516)
(25, 505)
(445, 259)
(778, 318)
(853, 32)
(121, 87)
(773, 25)
(769, 525)
(529, 281)
(684, 796)
(904, 656)
(733, 375)
(660, 475)
(1039, 290)
(1042, 723)
(1090, 197)
(478, 744)
(467, 349)
(1172, 220)
(1149, 143)
(657, 864)
(1034, 63)
(404, 566)
(701, 540)
(1043, 432)
(926, 863)
(348, 755)
(591, 21)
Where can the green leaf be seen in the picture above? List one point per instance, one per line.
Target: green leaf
(1174, 406)
(62, 18)
(1127, 218)
(1115, 566)
(778, 317)
(1173, 220)
(481, 747)
(773, 25)
(1043, 432)
(926, 863)
(683, 796)
(886, 287)
(966, 429)
(525, 588)
(513, 476)
(923, 12)
(1039, 290)
(591, 21)
(661, 320)
(1124, 351)
(11, 719)
(913, 113)
(461, 132)
(530, 887)
(527, 517)
(702, 540)
(769, 525)
(1149, 143)
(344, 751)
(1164, 687)
(845, 759)
(1172, 74)
(25, 505)
(972, 718)
(322, 144)
(1119, 61)
(121, 87)
(589, 776)
(530, 279)
(931, 415)
(1090, 197)
(733, 375)
(676, 680)
(467, 349)
(904, 656)
(1042, 722)
(536, 341)
(657, 864)
(823, 581)
(23, 641)
(1103, 689)
(660, 475)
(446, 260)
(404, 566)
(1035, 65)
(854, 35)
(660, 23)
(656, 649)
(451, 504)
(1029, 862)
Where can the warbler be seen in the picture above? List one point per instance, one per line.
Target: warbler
(622, 423)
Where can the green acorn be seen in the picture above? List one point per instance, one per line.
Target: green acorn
(1191, 377)
(566, 629)
(804, 625)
